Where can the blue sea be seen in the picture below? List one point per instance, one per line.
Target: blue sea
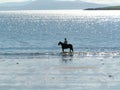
(40, 31)
(30, 58)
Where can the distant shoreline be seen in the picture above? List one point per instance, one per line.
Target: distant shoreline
(105, 8)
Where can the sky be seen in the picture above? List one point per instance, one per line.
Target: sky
(55, 4)
(107, 2)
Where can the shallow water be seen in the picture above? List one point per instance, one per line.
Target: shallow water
(60, 72)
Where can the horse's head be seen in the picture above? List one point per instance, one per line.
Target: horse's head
(60, 43)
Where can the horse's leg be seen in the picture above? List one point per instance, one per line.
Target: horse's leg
(71, 49)
(62, 50)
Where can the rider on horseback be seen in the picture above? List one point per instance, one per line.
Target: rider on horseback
(65, 41)
(65, 45)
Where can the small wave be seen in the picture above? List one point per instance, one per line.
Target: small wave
(30, 54)
(60, 53)
(97, 54)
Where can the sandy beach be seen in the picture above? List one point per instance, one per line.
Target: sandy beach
(57, 72)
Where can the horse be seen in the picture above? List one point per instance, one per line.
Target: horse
(66, 46)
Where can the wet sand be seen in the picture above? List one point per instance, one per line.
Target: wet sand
(60, 73)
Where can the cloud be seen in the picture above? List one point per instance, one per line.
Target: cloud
(108, 2)
(14, 1)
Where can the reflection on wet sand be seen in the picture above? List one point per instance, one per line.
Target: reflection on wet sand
(66, 56)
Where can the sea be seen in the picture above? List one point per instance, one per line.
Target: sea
(30, 58)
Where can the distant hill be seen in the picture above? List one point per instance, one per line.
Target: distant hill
(105, 8)
(50, 5)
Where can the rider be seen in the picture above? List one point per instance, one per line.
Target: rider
(65, 41)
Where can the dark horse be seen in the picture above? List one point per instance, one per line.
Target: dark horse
(66, 46)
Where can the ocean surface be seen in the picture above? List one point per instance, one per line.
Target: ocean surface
(30, 58)
(40, 31)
